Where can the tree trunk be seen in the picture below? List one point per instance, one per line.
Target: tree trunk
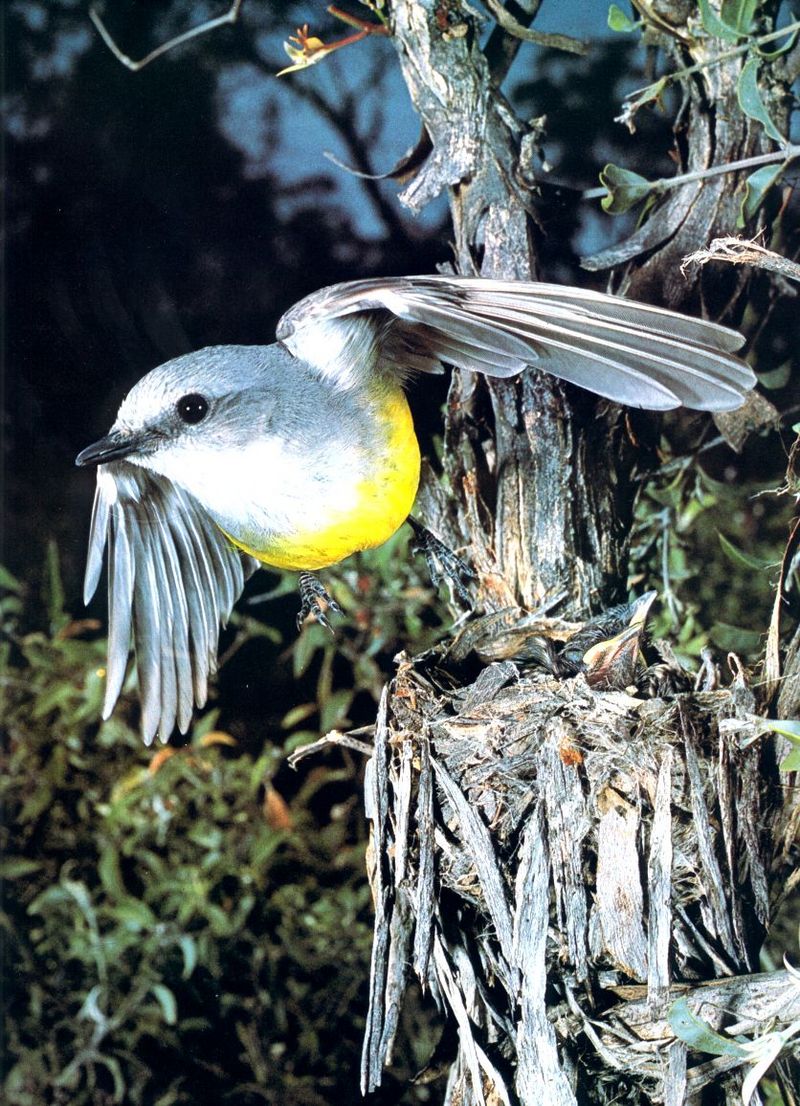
(557, 864)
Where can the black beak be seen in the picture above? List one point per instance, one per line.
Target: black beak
(111, 448)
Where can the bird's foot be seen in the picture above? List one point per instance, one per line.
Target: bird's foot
(443, 563)
(315, 602)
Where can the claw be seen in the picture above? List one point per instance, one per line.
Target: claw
(315, 601)
(443, 563)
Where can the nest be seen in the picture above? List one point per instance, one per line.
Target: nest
(557, 865)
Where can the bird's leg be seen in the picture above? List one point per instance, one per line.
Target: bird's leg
(315, 601)
(443, 563)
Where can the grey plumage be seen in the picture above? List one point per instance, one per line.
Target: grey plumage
(282, 421)
(633, 353)
(173, 580)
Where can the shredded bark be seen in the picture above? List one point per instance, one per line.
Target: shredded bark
(556, 865)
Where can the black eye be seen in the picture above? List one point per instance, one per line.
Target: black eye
(192, 408)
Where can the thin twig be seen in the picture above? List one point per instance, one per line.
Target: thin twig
(726, 55)
(334, 737)
(741, 251)
(664, 184)
(229, 16)
(513, 27)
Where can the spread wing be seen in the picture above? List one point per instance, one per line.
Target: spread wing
(173, 579)
(630, 352)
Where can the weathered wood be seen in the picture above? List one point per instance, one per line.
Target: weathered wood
(424, 905)
(540, 1076)
(659, 871)
(559, 864)
(529, 801)
(376, 795)
(570, 532)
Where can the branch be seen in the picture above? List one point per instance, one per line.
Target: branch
(664, 184)
(541, 38)
(334, 737)
(230, 16)
(646, 94)
(740, 251)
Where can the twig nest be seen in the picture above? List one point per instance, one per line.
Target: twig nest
(539, 844)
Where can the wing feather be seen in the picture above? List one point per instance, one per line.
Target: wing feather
(172, 582)
(631, 352)
(120, 604)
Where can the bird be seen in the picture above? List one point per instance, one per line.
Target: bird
(297, 454)
(606, 648)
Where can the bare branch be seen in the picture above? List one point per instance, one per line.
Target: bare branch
(230, 16)
(334, 737)
(740, 251)
(541, 38)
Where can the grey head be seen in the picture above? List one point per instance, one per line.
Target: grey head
(217, 396)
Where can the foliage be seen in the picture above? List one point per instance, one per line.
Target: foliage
(713, 552)
(332, 680)
(760, 1051)
(735, 21)
(177, 930)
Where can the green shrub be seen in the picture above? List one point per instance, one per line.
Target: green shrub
(176, 931)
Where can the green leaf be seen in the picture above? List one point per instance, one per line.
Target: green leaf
(645, 96)
(771, 55)
(110, 874)
(334, 709)
(13, 867)
(36, 804)
(779, 377)
(626, 189)
(189, 949)
(751, 101)
(791, 762)
(756, 188)
(298, 739)
(698, 1035)
(618, 20)
(296, 715)
(735, 639)
(739, 557)
(10, 606)
(204, 725)
(305, 647)
(739, 15)
(166, 1000)
(9, 582)
(714, 25)
(134, 915)
(79, 893)
(786, 727)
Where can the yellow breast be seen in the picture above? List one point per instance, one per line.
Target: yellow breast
(381, 498)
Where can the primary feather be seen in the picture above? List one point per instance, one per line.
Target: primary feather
(629, 352)
(173, 578)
